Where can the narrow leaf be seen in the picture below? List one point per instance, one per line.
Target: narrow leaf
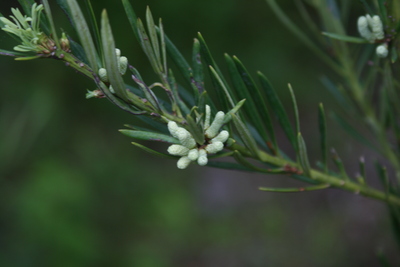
(245, 135)
(303, 157)
(153, 152)
(383, 11)
(11, 53)
(256, 109)
(195, 129)
(278, 109)
(209, 61)
(198, 74)
(51, 22)
(235, 109)
(149, 136)
(295, 108)
(345, 38)
(322, 133)
(84, 34)
(221, 84)
(130, 13)
(295, 190)
(110, 57)
(95, 27)
(151, 27)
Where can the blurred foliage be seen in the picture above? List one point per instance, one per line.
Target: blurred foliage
(74, 194)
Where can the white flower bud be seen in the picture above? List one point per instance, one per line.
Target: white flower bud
(377, 27)
(172, 128)
(183, 162)
(103, 75)
(185, 138)
(193, 154)
(207, 118)
(213, 130)
(123, 65)
(117, 52)
(382, 51)
(221, 137)
(178, 150)
(111, 89)
(202, 160)
(214, 147)
(363, 29)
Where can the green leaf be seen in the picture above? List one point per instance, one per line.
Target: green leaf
(278, 109)
(345, 38)
(130, 13)
(148, 48)
(295, 108)
(154, 38)
(367, 7)
(95, 27)
(44, 21)
(11, 53)
(393, 54)
(51, 22)
(303, 157)
(78, 51)
(149, 136)
(295, 190)
(222, 85)
(195, 129)
(174, 87)
(84, 33)
(256, 110)
(245, 135)
(110, 57)
(383, 11)
(198, 73)
(116, 101)
(150, 96)
(209, 61)
(322, 133)
(339, 164)
(163, 47)
(153, 152)
(228, 115)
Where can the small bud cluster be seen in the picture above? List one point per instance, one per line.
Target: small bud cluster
(122, 67)
(189, 150)
(371, 28)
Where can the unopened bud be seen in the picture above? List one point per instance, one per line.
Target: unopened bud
(183, 162)
(123, 65)
(382, 51)
(202, 160)
(103, 75)
(213, 130)
(178, 150)
(193, 154)
(64, 43)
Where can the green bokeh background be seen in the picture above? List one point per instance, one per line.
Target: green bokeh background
(74, 192)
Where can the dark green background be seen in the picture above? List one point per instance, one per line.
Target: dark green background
(74, 192)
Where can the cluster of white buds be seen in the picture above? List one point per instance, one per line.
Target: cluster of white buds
(371, 28)
(189, 150)
(122, 67)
